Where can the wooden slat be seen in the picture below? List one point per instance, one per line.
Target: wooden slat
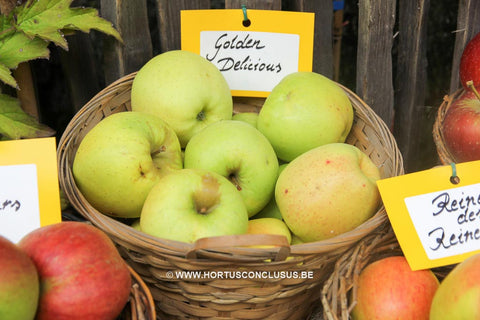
(323, 38)
(410, 85)
(168, 13)
(374, 83)
(468, 25)
(130, 18)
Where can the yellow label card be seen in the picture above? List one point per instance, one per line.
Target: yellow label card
(435, 218)
(29, 190)
(253, 56)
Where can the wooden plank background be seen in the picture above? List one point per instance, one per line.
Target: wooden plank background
(384, 45)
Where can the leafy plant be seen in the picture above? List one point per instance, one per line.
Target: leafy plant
(25, 33)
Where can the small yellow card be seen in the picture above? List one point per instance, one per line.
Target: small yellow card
(435, 213)
(254, 49)
(29, 189)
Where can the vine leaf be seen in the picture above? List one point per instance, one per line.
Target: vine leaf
(16, 124)
(46, 19)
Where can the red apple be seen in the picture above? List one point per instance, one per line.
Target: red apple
(389, 289)
(82, 275)
(19, 284)
(461, 128)
(470, 63)
(458, 296)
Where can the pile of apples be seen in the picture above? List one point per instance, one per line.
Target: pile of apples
(68, 270)
(388, 289)
(461, 123)
(182, 166)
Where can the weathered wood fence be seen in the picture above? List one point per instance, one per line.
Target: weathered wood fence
(394, 85)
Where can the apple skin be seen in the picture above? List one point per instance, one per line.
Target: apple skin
(327, 191)
(248, 117)
(82, 275)
(184, 89)
(461, 128)
(458, 296)
(193, 203)
(271, 209)
(19, 283)
(241, 153)
(121, 158)
(469, 68)
(303, 111)
(269, 226)
(388, 289)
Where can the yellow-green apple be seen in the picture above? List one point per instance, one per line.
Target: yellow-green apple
(327, 191)
(469, 68)
(136, 224)
(19, 283)
(296, 240)
(458, 296)
(184, 89)
(303, 111)
(239, 152)
(461, 127)
(388, 289)
(189, 204)
(121, 158)
(271, 209)
(248, 117)
(82, 275)
(269, 226)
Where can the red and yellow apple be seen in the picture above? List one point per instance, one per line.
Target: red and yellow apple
(19, 283)
(388, 289)
(82, 275)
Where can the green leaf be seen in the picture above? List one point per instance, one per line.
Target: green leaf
(16, 124)
(6, 76)
(47, 19)
(18, 48)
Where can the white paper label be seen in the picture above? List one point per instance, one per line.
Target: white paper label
(447, 222)
(251, 61)
(19, 207)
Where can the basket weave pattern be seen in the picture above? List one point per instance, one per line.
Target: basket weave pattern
(444, 154)
(156, 260)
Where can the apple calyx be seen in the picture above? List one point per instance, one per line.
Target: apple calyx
(207, 197)
(472, 87)
(201, 116)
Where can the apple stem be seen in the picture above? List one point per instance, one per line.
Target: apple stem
(161, 149)
(472, 87)
(234, 180)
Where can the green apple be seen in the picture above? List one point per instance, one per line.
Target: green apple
(19, 283)
(303, 111)
(189, 204)
(269, 226)
(458, 296)
(136, 224)
(388, 289)
(271, 209)
(296, 240)
(248, 117)
(239, 152)
(121, 158)
(328, 191)
(184, 89)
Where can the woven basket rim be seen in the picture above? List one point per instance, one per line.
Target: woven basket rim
(444, 154)
(129, 236)
(142, 303)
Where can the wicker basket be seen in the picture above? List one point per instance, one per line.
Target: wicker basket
(264, 295)
(445, 156)
(339, 290)
(141, 305)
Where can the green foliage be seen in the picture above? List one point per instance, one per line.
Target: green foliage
(16, 124)
(26, 32)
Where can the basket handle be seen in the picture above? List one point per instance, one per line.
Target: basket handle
(262, 242)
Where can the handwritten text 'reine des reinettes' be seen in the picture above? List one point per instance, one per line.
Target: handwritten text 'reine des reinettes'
(225, 43)
(466, 209)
